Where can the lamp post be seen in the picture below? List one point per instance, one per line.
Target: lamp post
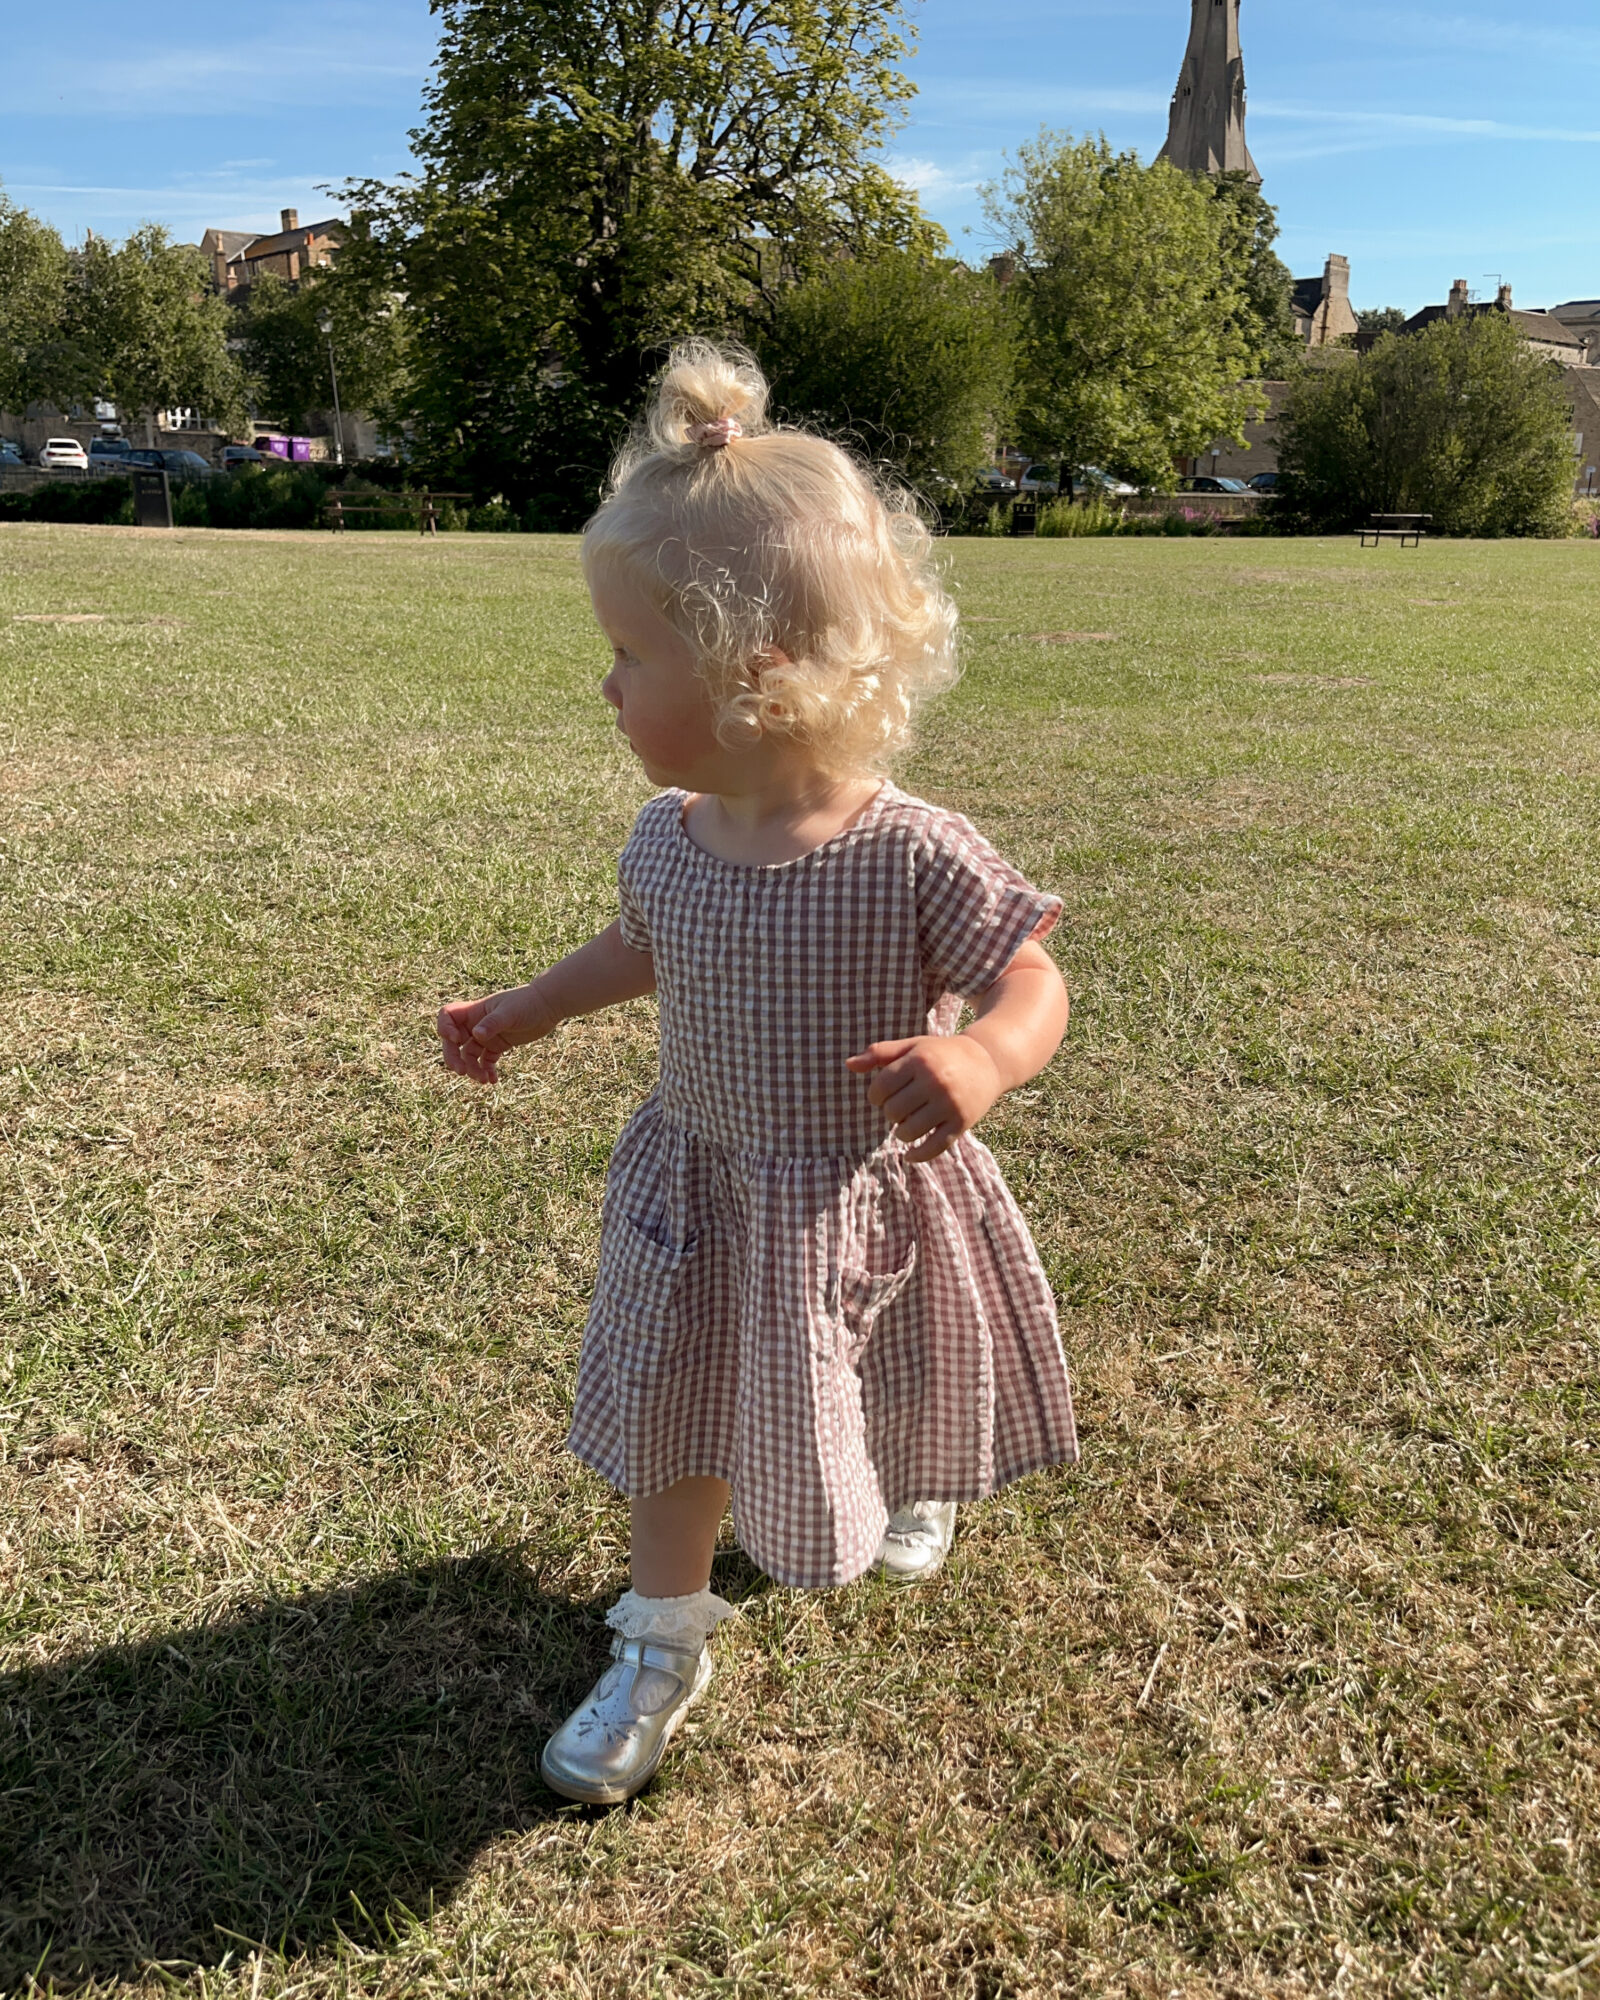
(325, 321)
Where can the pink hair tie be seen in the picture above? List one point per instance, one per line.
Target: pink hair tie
(718, 434)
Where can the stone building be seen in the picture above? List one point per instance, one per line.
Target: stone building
(1323, 316)
(1205, 129)
(1546, 333)
(1582, 317)
(238, 257)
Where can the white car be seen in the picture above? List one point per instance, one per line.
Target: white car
(63, 455)
(1106, 483)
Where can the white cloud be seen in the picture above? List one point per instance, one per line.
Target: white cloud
(1380, 126)
(1475, 34)
(928, 177)
(1025, 104)
(215, 79)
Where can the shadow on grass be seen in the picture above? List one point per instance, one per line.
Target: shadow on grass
(302, 1769)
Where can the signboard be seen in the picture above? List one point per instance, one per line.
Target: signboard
(152, 498)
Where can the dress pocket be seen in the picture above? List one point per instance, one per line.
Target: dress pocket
(877, 1253)
(640, 1274)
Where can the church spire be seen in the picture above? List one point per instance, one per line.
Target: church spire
(1206, 131)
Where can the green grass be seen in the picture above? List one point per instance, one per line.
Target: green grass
(1290, 1689)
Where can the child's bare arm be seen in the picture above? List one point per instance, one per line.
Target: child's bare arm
(935, 1087)
(602, 973)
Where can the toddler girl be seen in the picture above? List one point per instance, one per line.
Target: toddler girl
(816, 1295)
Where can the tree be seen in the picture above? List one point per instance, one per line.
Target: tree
(1266, 311)
(157, 334)
(1461, 421)
(602, 175)
(38, 363)
(1383, 319)
(907, 357)
(285, 333)
(1137, 326)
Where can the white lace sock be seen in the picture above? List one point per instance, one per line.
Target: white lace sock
(676, 1621)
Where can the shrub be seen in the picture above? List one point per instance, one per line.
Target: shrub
(93, 503)
(1461, 421)
(1067, 519)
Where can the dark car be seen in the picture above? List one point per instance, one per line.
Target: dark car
(9, 455)
(108, 452)
(1265, 482)
(235, 455)
(1207, 484)
(182, 464)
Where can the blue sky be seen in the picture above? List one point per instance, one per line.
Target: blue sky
(1427, 142)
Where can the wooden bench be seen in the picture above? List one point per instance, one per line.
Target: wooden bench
(1401, 528)
(417, 506)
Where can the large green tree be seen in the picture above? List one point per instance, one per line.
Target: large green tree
(156, 332)
(601, 175)
(1138, 331)
(38, 361)
(1461, 421)
(1265, 287)
(906, 356)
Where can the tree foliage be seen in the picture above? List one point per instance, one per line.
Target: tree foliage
(37, 361)
(155, 332)
(1138, 328)
(1266, 288)
(601, 175)
(904, 356)
(284, 345)
(1461, 421)
(137, 322)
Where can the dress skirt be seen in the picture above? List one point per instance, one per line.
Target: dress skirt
(833, 1336)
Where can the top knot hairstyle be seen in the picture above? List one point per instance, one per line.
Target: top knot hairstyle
(809, 595)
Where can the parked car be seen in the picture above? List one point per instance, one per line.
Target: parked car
(63, 455)
(9, 455)
(235, 455)
(108, 454)
(182, 464)
(1265, 482)
(1207, 483)
(993, 480)
(1106, 484)
(1040, 479)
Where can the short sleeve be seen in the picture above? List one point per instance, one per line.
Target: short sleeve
(635, 931)
(974, 911)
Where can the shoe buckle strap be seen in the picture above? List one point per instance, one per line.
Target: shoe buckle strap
(639, 1653)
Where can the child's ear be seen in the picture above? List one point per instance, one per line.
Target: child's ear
(766, 659)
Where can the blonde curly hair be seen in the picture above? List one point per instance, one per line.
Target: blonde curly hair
(809, 594)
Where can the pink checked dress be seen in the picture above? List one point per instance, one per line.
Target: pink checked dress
(784, 1300)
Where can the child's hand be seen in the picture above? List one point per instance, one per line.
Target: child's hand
(477, 1033)
(933, 1088)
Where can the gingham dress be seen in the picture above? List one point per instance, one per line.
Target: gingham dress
(784, 1300)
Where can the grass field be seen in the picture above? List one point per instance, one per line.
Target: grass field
(1290, 1689)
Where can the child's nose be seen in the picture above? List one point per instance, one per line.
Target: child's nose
(608, 687)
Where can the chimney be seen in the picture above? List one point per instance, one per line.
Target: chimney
(1458, 300)
(291, 219)
(1004, 268)
(1336, 278)
(1503, 298)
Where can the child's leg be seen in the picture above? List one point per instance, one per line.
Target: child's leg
(609, 1747)
(674, 1534)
